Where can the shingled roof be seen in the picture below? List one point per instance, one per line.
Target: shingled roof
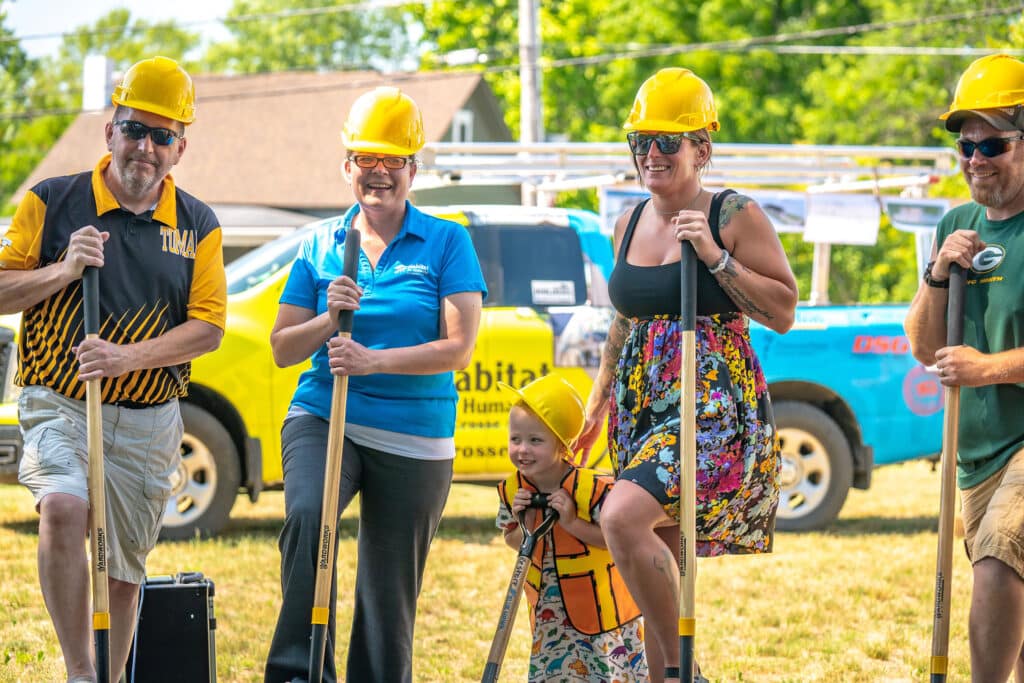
(274, 139)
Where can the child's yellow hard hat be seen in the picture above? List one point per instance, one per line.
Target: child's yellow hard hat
(556, 403)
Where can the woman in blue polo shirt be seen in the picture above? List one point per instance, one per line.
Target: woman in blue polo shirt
(417, 300)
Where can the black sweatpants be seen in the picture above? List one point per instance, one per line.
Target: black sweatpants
(401, 501)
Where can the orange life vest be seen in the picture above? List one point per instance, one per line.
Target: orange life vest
(595, 596)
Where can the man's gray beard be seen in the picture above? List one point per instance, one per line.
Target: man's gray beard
(136, 184)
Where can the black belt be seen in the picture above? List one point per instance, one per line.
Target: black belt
(138, 405)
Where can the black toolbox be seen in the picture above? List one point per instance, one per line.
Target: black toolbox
(174, 638)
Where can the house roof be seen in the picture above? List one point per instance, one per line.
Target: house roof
(273, 139)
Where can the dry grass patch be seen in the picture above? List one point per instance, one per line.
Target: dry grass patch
(846, 605)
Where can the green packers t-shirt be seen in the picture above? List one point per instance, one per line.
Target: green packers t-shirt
(991, 417)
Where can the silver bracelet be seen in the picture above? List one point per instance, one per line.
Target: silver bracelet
(720, 266)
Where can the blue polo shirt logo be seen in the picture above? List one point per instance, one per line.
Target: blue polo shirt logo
(401, 306)
(412, 269)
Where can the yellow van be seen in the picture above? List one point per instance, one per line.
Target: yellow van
(547, 311)
(10, 434)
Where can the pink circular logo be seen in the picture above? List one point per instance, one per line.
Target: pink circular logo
(922, 391)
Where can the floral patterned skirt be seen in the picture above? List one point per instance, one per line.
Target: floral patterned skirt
(737, 448)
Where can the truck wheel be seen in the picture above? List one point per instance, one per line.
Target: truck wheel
(817, 467)
(207, 481)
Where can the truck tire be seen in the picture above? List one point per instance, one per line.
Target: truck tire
(206, 485)
(817, 467)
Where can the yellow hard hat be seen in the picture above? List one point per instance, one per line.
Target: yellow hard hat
(160, 86)
(992, 84)
(556, 403)
(674, 100)
(384, 121)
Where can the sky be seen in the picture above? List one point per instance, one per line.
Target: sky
(37, 17)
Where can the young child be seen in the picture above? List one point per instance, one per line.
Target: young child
(585, 624)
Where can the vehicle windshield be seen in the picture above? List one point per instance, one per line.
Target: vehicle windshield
(526, 265)
(523, 265)
(252, 268)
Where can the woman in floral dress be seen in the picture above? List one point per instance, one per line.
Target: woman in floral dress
(742, 274)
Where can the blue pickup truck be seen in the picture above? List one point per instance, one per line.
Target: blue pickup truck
(848, 395)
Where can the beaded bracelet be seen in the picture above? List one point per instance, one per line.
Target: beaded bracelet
(720, 266)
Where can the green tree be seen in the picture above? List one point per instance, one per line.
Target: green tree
(120, 38)
(37, 97)
(584, 102)
(24, 137)
(757, 91)
(350, 39)
(892, 99)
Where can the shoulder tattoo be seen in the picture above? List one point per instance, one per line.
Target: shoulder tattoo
(732, 205)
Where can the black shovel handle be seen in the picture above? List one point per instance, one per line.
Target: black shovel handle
(955, 306)
(350, 269)
(91, 299)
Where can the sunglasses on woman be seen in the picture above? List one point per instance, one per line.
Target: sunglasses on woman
(668, 143)
(989, 147)
(136, 130)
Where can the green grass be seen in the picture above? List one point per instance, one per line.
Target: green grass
(849, 604)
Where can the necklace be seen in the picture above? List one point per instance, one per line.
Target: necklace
(700, 191)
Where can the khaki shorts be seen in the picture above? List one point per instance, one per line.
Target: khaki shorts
(141, 450)
(993, 516)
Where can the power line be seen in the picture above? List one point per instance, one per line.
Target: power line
(770, 43)
(745, 44)
(242, 19)
(897, 50)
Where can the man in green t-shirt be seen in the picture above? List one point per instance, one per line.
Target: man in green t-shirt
(986, 237)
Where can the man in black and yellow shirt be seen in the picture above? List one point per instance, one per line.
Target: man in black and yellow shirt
(162, 303)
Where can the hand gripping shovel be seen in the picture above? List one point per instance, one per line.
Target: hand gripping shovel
(332, 479)
(515, 586)
(947, 495)
(97, 489)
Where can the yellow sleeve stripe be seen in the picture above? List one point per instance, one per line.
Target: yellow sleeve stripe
(208, 298)
(21, 244)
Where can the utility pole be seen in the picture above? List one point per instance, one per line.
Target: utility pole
(531, 126)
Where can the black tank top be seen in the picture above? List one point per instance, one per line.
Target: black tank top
(647, 291)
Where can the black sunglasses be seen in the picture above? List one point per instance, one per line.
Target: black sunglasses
(136, 130)
(371, 161)
(989, 147)
(668, 143)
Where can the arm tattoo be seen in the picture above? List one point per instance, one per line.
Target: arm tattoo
(727, 280)
(617, 334)
(733, 205)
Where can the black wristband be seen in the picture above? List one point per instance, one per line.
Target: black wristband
(932, 282)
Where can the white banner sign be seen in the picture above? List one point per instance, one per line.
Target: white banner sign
(842, 219)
